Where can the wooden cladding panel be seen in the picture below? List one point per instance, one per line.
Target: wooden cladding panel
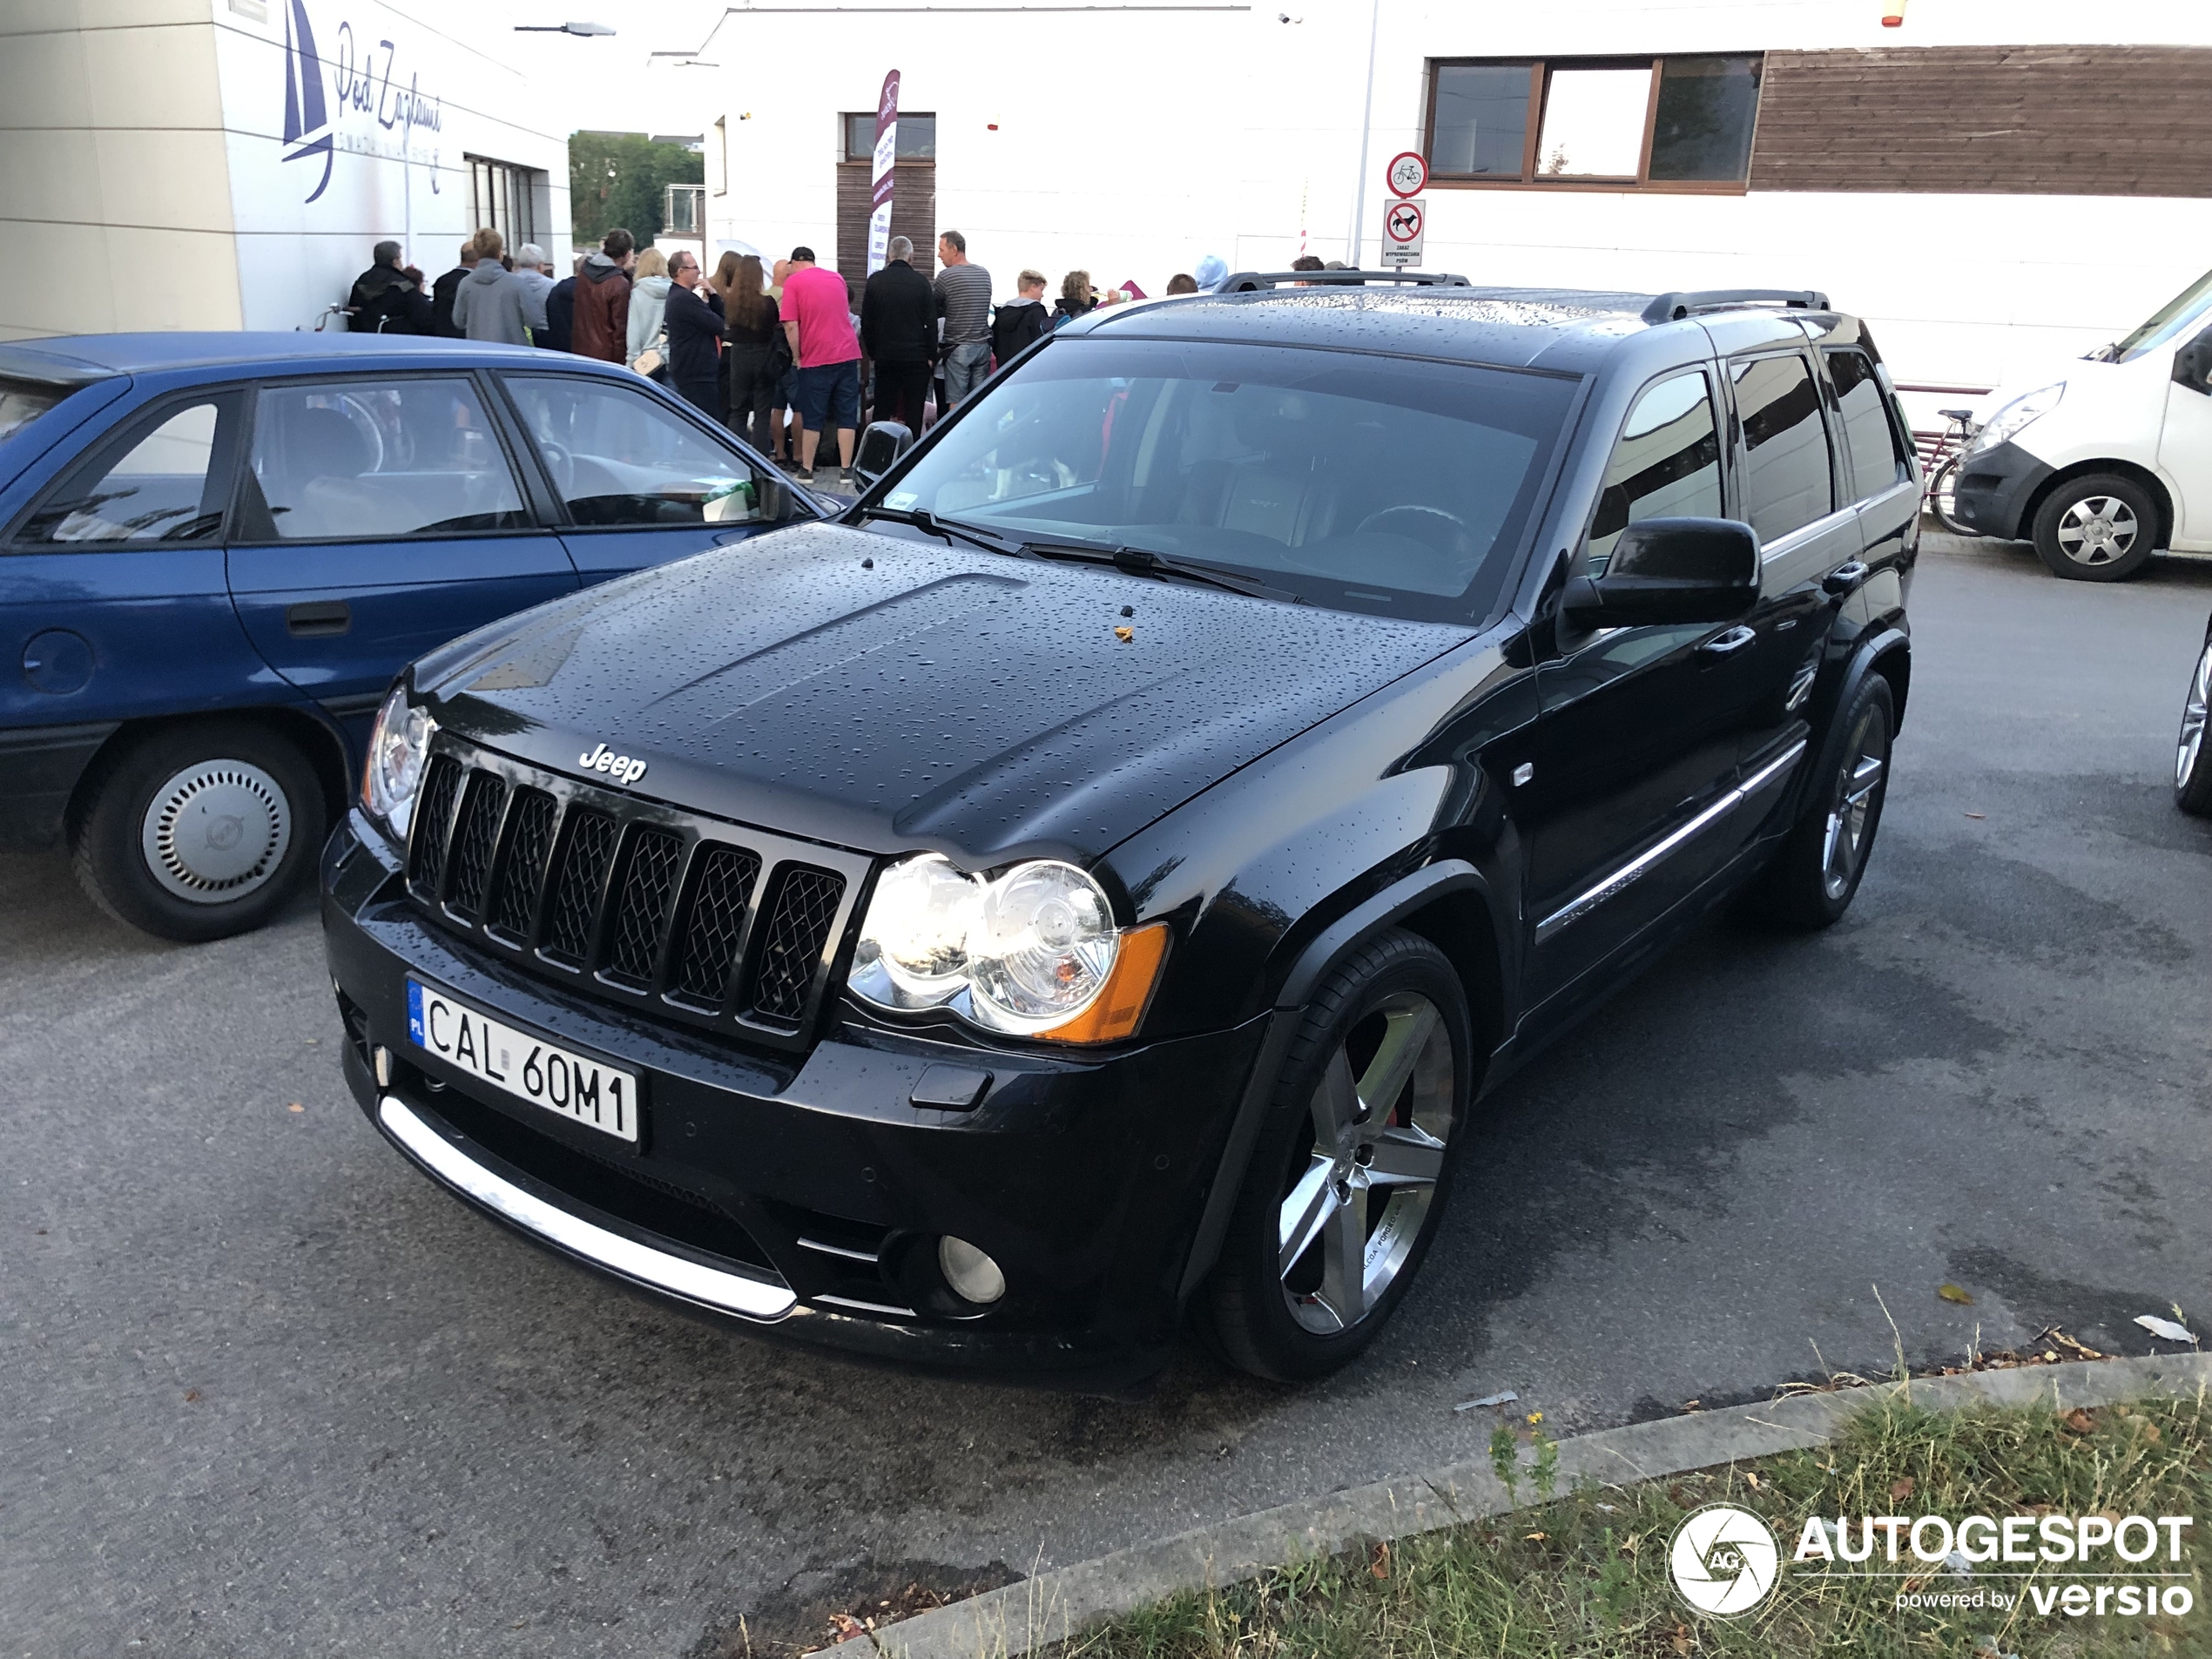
(913, 215)
(2005, 121)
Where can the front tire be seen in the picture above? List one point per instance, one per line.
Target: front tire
(2192, 763)
(1348, 1179)
(2096, 529)
(197, 832)
(1815, 875)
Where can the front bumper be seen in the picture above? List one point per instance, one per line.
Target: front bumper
(802, 1195)
(1994, 489)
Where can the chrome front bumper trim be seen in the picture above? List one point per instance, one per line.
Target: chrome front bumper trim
(752, 1298)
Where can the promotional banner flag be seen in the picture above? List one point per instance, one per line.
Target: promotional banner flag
(887, 153)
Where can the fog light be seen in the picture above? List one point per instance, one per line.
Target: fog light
(383, 1067)
(973, 1276)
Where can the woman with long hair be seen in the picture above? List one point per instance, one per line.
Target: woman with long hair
(753, 327)
(718, 284)
(649, 286)
(1076, 299)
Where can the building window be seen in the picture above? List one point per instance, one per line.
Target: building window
(1665, 123)
(684, 211)
(721, 154)
(504, 197)
(917, 136)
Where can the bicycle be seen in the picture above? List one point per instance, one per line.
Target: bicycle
(1939, 494)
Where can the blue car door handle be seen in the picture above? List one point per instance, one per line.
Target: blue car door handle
(318, 619)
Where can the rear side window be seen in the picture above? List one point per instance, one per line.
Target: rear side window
(1785, 481)
(360, 461)
(24, 401)
(1876, 453)
(1666, 464)
(156, 482)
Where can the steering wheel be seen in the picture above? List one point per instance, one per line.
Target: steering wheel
(1432, 525)
(560, 464)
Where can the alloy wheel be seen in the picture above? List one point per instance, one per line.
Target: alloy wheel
(216, 831)
(1361, 1189)
(1867, 760)
(2098, 530)
(2192, 741)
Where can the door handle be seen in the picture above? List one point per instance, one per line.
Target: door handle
(319, 619)
(1726, 644)
(1841, 580)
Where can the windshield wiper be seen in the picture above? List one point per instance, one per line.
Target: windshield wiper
(929, 525)
(1143, 560)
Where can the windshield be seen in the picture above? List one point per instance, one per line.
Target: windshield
(1362, 482)
(24, 401)
(2166, 321)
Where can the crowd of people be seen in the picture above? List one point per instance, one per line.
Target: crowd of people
(787, 355)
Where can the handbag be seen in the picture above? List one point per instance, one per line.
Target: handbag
(653, 362)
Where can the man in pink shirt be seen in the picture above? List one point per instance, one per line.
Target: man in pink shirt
(817, 312)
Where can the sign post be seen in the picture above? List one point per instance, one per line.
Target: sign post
(886, 157)
(1405, 230)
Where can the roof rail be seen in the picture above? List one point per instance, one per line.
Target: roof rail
(1673, 307)
(1252, 281)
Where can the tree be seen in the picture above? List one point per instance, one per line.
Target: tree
(619, 178)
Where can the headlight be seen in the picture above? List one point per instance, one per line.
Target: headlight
(1034, 953)
(2009, 421)
(399, 748)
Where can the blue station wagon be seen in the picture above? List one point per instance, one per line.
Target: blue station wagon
(216, 551)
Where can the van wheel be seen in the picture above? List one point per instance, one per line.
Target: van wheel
(2097, 529)
(1349, 1176)
(198, 832)
(1815, 875)
(2192, 763)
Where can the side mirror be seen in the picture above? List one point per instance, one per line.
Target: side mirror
(2193, 365)
(1670, 569)
(773, 495)
(879, 448)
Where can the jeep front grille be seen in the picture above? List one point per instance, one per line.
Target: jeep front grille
(711, 923)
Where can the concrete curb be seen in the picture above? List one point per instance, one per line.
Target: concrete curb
(1057, 1604)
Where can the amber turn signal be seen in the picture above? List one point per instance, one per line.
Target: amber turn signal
(1119, 1008)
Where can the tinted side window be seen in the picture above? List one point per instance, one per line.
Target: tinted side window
(1877, 455)
(1666, 464)
(157, 489)
(1785, 481)
(619, 457)
(368, 460)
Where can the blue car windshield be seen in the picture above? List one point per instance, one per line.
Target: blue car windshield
(1393, 485)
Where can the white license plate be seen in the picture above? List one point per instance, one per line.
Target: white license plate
(584, 1091)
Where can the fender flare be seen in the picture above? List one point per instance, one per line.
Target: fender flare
(1878, 644)
(1372, 915)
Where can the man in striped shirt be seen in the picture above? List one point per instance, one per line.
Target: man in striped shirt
(964, 302)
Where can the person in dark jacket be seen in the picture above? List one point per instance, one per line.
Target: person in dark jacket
(899, 332)
(692, 317)
(602, 324)
(1019, 320)
(754, 328)
(386, 299)
(443, 290)
(560, 313)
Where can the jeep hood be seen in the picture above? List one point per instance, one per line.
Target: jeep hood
(881, 693)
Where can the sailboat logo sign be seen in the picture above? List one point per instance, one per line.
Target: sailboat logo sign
(365, 83)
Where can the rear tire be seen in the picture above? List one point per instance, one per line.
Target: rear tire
(1943, 499)
(2096, 529)
(1352, 1167)
(1815, 875)
(199, 832)
(2192, 755)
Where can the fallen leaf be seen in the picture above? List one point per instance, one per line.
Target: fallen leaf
(1977, 815)
(1953, 1293)
(1751, 1479)
(1682, 1638)
(1506, 1397)
(2150, 1431)
(1903, 1488)
(2166, 1328)
(846, 1625)
(1537, 1537)
(295, 1107)
(190, 1394)
(1378, 1565)
(1125, 634)
(2079, 1421)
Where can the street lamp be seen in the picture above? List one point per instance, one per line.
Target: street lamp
(562, 29)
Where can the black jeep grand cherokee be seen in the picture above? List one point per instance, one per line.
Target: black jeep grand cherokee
(1093, 881)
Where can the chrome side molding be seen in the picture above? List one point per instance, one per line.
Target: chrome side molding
(752, 1298)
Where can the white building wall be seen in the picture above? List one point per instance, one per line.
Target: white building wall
(1131, 142)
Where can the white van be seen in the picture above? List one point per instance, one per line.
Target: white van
(2107, 457)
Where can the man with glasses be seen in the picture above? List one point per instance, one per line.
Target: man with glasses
(692, 316)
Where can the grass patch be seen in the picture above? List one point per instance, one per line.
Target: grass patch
(1585, 1575)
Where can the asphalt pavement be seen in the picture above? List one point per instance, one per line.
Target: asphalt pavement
(269, 1392)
